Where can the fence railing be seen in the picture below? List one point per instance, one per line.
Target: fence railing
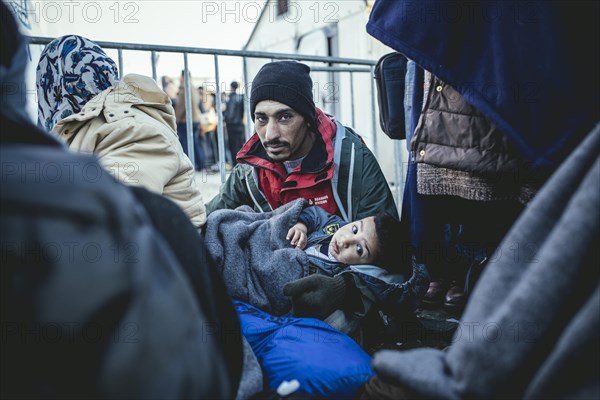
(335, 65)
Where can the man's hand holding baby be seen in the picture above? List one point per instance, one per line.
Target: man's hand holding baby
(298, 235)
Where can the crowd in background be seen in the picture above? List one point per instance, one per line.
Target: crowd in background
(204, 121)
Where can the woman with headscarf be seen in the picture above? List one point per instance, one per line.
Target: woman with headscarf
(129, 123)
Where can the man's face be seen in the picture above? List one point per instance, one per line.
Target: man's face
(355, 243)
(283, 132)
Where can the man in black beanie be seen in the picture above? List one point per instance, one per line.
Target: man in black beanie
(298, 151)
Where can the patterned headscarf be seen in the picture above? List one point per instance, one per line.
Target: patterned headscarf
(71, 71)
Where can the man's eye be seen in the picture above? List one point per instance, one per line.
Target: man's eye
(285, 117)
(354, 229)
(261, 120)
(359, 250)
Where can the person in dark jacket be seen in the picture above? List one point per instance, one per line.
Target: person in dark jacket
(234, 120)
(97, 292)
(523, 72)
(470, 177)
(484, 141)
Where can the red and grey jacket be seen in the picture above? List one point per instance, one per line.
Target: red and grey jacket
(310, 180)
(340, 174)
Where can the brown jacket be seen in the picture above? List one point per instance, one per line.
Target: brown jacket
(460, 152)
(180, 105)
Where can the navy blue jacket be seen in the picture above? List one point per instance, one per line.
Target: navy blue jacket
(520, 63)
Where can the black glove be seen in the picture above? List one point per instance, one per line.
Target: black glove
(317, 295)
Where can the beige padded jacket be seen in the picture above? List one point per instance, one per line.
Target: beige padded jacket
(131, 129)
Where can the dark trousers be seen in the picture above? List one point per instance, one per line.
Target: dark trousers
(461, 232)
(236, 140)
(198, 151)
(210, 147)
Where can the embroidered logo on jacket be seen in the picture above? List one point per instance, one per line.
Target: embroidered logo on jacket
(331, 229)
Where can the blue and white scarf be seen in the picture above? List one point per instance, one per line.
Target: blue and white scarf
(71, 71)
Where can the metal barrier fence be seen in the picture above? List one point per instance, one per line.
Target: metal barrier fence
(342, 65)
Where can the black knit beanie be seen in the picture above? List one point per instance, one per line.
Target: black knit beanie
(287, 82)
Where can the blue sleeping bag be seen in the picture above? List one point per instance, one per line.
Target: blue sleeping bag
(326, 362)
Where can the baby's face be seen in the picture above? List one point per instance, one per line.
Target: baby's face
(355, 243)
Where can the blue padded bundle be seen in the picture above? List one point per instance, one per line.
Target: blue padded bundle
(326, 362)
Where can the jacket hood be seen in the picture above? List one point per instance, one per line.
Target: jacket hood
(116, 102)
(143, 93)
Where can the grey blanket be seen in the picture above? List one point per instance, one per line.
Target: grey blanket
(530, 329)
(251, 253)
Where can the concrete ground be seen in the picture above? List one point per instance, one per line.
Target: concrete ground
(209, 184)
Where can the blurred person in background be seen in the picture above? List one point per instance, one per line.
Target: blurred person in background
(180, 113)
(208, 129)
(235, 121)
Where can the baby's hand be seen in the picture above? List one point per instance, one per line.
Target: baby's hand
(297, 234)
